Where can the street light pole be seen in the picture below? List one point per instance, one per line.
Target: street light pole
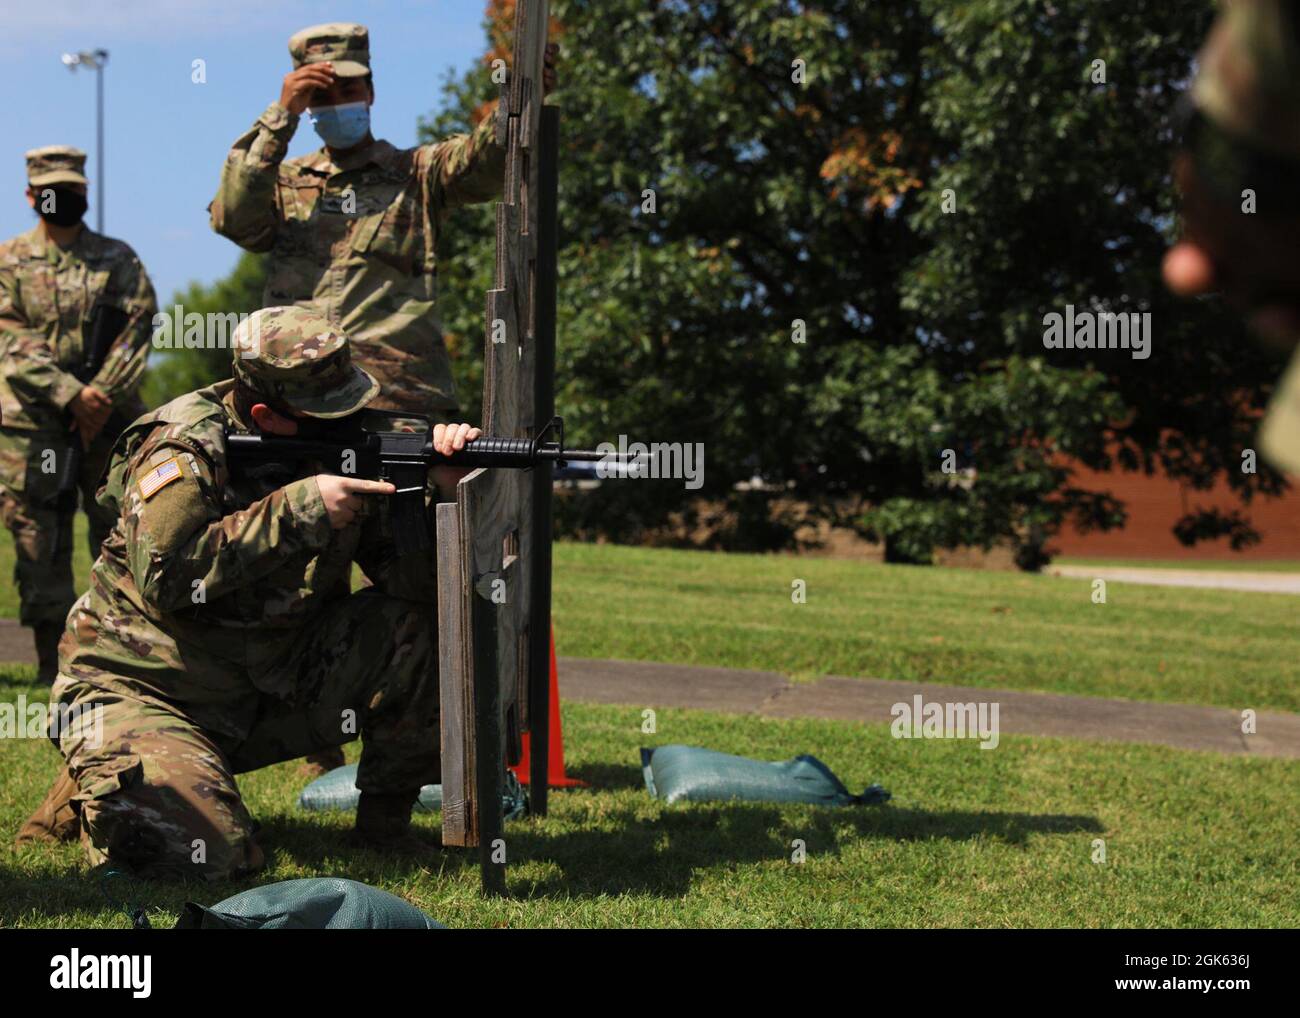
(95, 60)
(99, 140)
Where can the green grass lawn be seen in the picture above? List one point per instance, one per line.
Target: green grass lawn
(972, 838)
(965, 627)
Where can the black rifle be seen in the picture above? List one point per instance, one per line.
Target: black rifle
(99, 332)
(384, 445)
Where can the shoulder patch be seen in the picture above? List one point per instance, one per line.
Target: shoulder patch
(159, 477)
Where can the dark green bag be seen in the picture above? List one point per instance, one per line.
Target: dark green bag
(318, 903)
(702, 775)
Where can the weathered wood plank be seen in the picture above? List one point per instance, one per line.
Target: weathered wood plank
(455, 687)
(487, 744)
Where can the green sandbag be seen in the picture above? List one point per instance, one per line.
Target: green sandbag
(702, 775)
(317, 903)
(338, 790)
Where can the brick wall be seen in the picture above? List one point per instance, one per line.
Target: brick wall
(1155, 503)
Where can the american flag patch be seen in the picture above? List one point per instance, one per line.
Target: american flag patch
(159, 477)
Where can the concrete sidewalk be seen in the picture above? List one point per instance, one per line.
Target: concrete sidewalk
(1212, 579)
(740, 691)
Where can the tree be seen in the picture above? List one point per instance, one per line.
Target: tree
(176, 371)
(915, 185)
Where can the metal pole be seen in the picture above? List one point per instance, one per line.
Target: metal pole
(99, 135)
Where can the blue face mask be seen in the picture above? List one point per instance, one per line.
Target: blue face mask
(341, 126)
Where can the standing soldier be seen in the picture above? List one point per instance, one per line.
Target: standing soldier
(352, 228)
(61, 287)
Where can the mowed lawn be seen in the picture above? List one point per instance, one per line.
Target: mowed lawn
(964, 627)
(973, 838)
(1008, 837)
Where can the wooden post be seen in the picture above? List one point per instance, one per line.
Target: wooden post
(455, 691)
(487, 747)
(539, 625)
(487, 645)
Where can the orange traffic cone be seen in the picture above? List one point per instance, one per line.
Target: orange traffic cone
(556, 778)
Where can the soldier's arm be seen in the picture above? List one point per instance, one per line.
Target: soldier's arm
(466, 168)
(30, 366)
(137, 299)
(179, 543)
(246, 208)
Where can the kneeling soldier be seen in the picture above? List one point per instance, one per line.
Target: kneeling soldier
(219, 635)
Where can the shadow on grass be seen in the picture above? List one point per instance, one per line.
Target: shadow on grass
(606, 776)
(54, 883)
(632, 854)
(660, 856)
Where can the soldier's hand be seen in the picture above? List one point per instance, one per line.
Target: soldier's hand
(90, 410)
(549, 60)
(299, 85)
(344, 496)
(449, 438)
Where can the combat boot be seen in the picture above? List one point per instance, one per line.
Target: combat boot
(384, 825)
(56, 818)
(46, 636)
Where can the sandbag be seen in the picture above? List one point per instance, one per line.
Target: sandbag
(702, 775)
(316, 903)
(338, 790)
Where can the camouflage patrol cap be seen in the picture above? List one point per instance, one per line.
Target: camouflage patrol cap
(345, 45)
(293, 355)
(56, 164)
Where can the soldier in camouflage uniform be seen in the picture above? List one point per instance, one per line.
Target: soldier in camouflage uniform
(353, 228)
(52, 279)
(219, 635)
(1244, 135)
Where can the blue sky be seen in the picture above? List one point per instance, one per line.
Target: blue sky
(165, 136)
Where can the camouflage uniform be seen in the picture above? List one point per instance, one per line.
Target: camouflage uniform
(1248, 88)
(357, 238)
(219, 635)
(46, 294)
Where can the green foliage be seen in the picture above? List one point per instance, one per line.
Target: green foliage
(824, 203)
(176, 371)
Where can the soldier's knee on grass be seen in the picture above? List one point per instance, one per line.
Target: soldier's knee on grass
(155, 832)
